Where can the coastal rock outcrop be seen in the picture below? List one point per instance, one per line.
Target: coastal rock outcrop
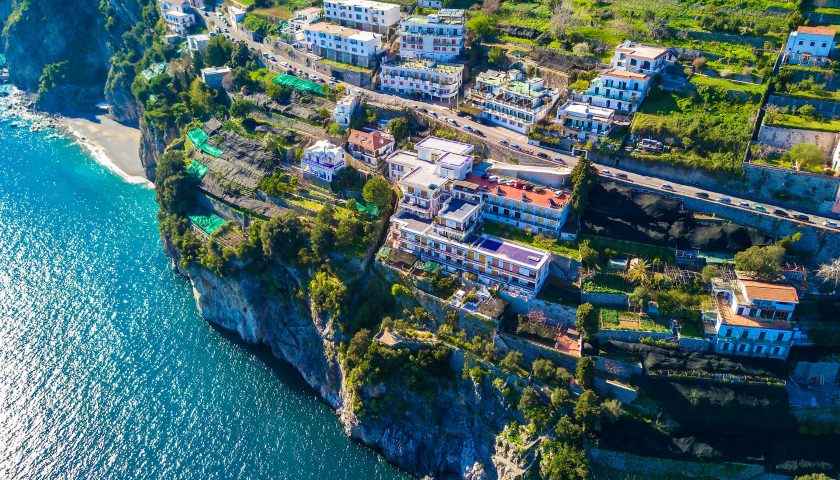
(272, 315)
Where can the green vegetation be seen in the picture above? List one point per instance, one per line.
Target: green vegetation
(708, 129)
(345, 66)
(607, 283)
(553, 245)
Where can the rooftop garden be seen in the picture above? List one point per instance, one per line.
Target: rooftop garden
(553, 245)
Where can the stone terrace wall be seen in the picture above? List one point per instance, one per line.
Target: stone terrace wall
(786, 138)
(802, 191)
(826, 108)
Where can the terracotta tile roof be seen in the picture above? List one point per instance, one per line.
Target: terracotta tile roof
(513, 193)
(729, 318)
(816, 30)
(625, 74)
(770, 291)
(369, 141)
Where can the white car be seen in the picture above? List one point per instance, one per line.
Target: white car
(829, 223)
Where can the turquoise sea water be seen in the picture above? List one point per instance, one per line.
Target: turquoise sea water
(106, 369)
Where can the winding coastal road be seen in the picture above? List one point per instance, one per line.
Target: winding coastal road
(496, 134)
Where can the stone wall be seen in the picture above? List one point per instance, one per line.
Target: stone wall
(826, 108)
(597, 298)
(611, 389)
(532, 351)
(801, 191)
(630, 336)
(786, 138)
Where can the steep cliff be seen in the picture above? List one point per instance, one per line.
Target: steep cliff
(274, 315)
(65, 51)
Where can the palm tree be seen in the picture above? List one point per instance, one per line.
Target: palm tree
(640, 272)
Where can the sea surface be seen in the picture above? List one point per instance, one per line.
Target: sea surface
(106, 369)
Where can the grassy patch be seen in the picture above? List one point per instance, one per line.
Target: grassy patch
(565, 249)
(607, 283)
(345, 66)
(796, 121)
(635, 249)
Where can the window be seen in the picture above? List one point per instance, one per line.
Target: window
(742, 347)
(761, 335)
(745, 334)
(780, 337)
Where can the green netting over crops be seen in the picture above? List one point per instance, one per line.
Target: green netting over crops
(369, 208)
(298, 84)
(197, 169)
(208, 224)
(199, 139)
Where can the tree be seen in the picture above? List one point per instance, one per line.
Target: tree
(583, 177)
(322, 239)
(581, 49)
(173, 186)
(481, 26)
(513, 360)
(813, 476)
(587, 410)
(640, 273)
(327, 293)
(200, 98)
(709, 272)
(347, 230)
(218, 51)
(588, 255)
(807, 154)
(544, 370)
(497, 56)
(377, 191)
(399, 128)
(830, 272)
(569, 432)
(763, 262)
(698, 63)
(564, 461)
(587, 323)
(282, 236)
(241, 108)
(240, 54)
(585, 372)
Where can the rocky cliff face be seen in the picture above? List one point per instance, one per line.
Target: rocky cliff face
(451, 433)
(61, 50)
(273, 316)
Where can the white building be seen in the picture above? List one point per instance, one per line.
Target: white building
(236, 14)
(754, 318)
(511, 100)
(371, 147)
(640, 58)
(617, 89)
(364, 15)
(342, 44)
(345, 108)
(197, 43)
(213, 76)
(585, 122)
(431, 4)
(442, 204)
(323, 160)
(438, 36)
(809, 45)
(427, 78)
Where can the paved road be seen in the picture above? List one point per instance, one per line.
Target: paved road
(496, 134)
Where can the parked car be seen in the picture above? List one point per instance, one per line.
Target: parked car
(667, 186)
(515, 146)
(478, 132)
(724, 200)
(621, 175)
(435, 115)
(759, 208)
(702, 194)
(504, 142)
(802, 218)
(829, 223)
(453, 122)
(780, 213)
(606, 172)
(468, 128)
(744, 204)
(543, 155)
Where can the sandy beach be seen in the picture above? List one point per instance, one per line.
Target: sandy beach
(114, 145)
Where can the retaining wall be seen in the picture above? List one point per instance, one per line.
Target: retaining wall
(359, 79)
(611, 389)
(532, 351)
(826, 108)
(597, 298)
(797, 190)
(786, 138)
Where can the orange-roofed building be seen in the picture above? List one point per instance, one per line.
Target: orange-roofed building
(370, 146)
(809, 45)
(755, 318)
